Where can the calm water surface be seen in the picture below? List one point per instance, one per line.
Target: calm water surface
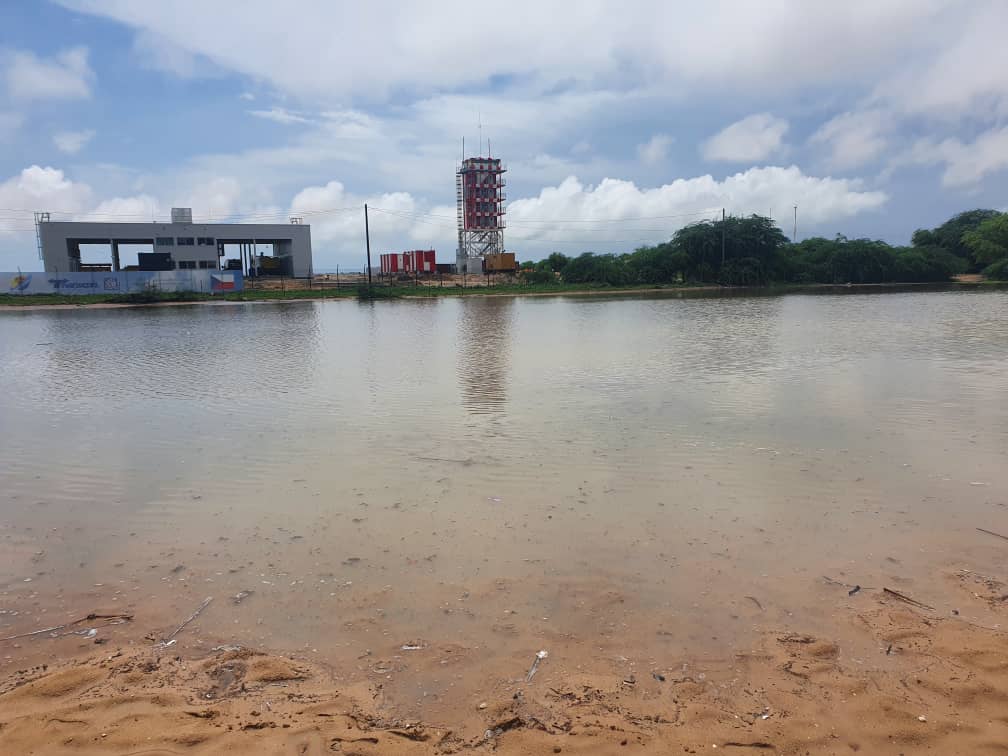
(600, 477)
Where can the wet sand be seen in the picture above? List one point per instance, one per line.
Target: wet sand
(890, 678)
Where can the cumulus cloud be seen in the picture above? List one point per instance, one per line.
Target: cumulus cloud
(755, 137)
(337, 215)
(216, 197)
(72, 142)
(127, 209)
(655, 150)
(854, 138)
(617, 209)
(965, 163)
(280, 115)
(38, 188)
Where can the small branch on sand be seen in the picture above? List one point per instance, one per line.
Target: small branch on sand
(189, 619)
(119, 619)
(991, 532)
(907, 599)
(755, 601)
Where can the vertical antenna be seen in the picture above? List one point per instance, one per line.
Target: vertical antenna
(794, 236)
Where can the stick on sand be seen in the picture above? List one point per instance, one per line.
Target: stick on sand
(194, 615)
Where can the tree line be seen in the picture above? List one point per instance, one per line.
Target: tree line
(752, 251)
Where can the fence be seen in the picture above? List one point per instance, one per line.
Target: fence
(124, 282)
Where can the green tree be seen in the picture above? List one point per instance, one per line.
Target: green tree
(538, 276)
(755, 237)
(599, 269)
(997, 271)
(660, 264)
(557, 261)
(989, 241)
(950, 234)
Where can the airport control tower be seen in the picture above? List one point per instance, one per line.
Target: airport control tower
(479, 183)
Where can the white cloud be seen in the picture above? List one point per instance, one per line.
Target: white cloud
(336, 215)
(655, 150)
(754, 138)
(65, 77)
(158, 53)
(854, 138)
(280, 115)
(127, 209)
(966, 164)
(72, 142)
(621, 211)
(247, 96)
(319, 51)
(38, 188)
(218, 197)
(958, 69)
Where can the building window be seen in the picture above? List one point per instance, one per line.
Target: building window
(164, 241)
(205, 241)
(186, 264)
(184, 241)
(207, 264)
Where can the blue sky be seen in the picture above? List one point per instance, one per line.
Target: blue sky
(619, 122)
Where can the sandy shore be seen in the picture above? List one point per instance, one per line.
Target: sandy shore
(892, 678)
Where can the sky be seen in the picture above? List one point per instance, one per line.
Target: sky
(619, 122)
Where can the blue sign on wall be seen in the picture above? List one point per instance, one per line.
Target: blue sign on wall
(123, 282)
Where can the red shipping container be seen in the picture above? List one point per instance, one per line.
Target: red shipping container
(415, 261)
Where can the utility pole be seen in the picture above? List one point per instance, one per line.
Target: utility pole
(722, 236)
(367, 237)
(794, 236)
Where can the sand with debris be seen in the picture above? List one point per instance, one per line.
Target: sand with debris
(892, 678)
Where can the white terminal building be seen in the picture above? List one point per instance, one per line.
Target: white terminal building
(252, 248)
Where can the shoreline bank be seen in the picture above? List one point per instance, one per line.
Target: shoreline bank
(60, 302)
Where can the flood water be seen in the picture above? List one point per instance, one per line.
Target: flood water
(646, 478)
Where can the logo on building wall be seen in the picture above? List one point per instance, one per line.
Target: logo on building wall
(66, 283)
(112, 284)
(20, 282)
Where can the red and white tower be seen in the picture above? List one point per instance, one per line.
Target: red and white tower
(479, 184)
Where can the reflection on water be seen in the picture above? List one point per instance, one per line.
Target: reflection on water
(496, 473)
(483, 353)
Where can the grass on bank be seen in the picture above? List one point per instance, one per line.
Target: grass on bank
(377, 291)
(384, 291)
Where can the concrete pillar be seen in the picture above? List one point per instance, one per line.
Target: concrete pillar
(115, 256)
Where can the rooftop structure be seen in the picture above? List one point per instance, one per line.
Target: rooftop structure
(179, 245)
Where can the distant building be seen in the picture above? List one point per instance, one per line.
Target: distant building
(181, 245)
